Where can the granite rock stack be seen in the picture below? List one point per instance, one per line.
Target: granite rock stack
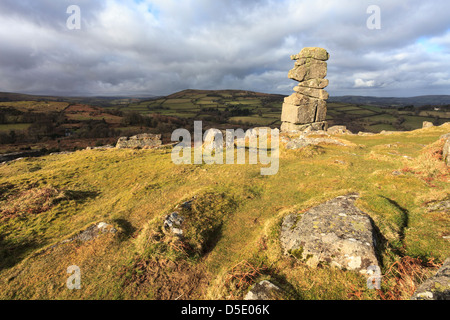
(307, 106)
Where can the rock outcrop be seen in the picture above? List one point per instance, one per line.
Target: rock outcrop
(90, 233)
(311, 137)
(211, 139)
(443, 206)
(303, 141)
(93, 232)
(210, 136)
(446, 148)
(427, 124)
(144, 140)
(436, 287)
(172, 223)
(338, 130)
(336, 233)
(307, 106)
(264, 290)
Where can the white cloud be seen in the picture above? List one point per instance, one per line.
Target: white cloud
(364, 83)
(161, 46)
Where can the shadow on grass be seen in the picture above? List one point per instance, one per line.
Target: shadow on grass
(213, 239)
(6, 189)
(289, 292)
(404, 220)
(126, 226)
(80, 196)
(381, 243)
(12, 252)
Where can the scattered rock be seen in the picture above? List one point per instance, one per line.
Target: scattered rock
(446, 148)
(139, 141)
(93, 232)
(336, 233)
(304, 141)
(338, 130)
(427, 124)
(264, 290)
(436, 287)
(365, 133)
(172, 223)
(316, 133)
(108, 146)
(88, 234)
(439, 206)
(213, 136)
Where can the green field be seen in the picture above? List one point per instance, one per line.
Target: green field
(14, 127)
(217, 108)
(254, 120)
(381, 127)
(263, 109)
(361, 111)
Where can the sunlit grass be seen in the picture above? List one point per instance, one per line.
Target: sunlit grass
(132, 189)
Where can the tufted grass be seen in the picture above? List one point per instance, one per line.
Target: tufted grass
(133, 189)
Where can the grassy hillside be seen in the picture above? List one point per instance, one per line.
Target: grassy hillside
(392, 101)
(234, 239)
(219, 106)
(376, 119)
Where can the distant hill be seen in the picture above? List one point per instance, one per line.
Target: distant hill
(94, 100)
(212, 93)
(120, 100)
(393, 101)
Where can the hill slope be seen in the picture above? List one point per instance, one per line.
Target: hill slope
(45, 202)
(394, 101)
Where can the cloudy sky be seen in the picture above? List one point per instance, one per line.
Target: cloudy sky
(157, 47)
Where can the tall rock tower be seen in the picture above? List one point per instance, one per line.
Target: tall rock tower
(307, 106)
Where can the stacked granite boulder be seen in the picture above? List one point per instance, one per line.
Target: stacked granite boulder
(307, 106)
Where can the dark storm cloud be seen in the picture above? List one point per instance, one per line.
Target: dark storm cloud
(161, 46)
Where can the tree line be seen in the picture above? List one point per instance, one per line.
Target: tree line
(53, 125)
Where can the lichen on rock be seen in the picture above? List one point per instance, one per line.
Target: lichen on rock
(144, 140)
(307, 106)
(436, 287)
(336, 233)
